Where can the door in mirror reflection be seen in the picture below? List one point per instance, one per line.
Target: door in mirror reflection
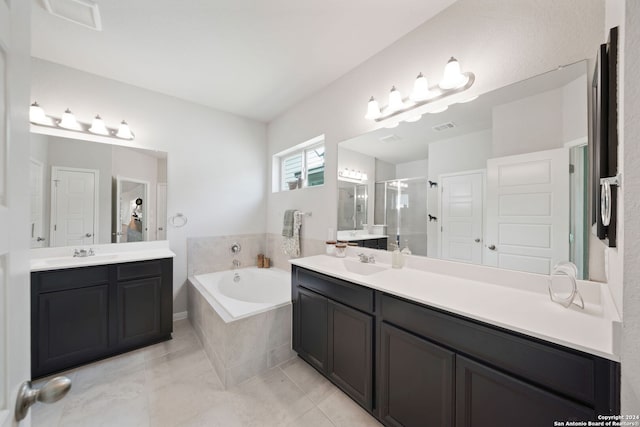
(131, 210)
(73, 206)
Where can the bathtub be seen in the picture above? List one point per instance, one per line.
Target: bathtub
(243, 319)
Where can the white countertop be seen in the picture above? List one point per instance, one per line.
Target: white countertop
(513, 300)
(58, 258)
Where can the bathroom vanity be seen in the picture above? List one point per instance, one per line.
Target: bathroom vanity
(88, 308)
(415, 348)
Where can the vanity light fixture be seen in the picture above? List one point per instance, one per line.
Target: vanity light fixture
(98, 127)
(351, 175)
(38, 117)
(453, 81)
(69, 121)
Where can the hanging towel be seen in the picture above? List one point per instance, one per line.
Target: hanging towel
(287, 223)
(291, 245)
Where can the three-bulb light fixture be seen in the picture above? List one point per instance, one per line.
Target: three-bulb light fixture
(453, 81)
(68, 121)
(352, 175)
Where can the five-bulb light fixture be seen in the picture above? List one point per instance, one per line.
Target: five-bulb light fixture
(453, 81)
(68, 121)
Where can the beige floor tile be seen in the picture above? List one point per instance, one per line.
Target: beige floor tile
(316, 387)
(179, 342)
(107, 370)
(344, 412)
(183, 365)
(271, 399)
(312, 418)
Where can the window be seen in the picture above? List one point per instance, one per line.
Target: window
(300, 166)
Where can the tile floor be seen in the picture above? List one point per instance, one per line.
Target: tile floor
(174, 384)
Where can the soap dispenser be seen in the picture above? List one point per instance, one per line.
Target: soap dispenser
(397, 260)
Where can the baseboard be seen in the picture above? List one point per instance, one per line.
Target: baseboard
(179, 316)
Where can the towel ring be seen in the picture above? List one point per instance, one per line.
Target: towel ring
(178, 220)
(569, 270)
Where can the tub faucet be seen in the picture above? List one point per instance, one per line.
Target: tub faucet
(236, 264)
(367, 259)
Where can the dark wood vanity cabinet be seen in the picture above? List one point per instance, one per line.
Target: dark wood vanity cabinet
(435, 368)
(332, 333)
(79, 315)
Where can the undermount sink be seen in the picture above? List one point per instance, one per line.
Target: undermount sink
(362, 268)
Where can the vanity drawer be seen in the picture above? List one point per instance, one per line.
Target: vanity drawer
(347, 293)
(562, 370)
(136, 270)
(60, 280)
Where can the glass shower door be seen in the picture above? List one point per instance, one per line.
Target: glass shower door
(405, 211)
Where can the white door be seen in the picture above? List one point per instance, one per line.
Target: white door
(14, 205)
(461, 217)
(74, 206)
(37, 203)
(161, 209)
(528, 211)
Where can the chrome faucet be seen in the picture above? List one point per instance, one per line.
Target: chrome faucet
(81, 253)
(367, 259)
(236, 264)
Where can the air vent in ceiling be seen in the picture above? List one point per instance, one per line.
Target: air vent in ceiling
(444, 126)
(82, 12)
(390, 138)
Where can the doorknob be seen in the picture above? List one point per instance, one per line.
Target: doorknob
(492, 247)
(477, 240)
(52, 391)
(88, 235)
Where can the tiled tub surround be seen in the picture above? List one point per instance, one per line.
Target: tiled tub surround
(240, 348)
(211, 254)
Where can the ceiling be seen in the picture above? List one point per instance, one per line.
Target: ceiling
(410, 141)
(252, 58)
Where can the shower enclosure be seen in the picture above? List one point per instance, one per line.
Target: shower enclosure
(401, 204)
(352, 206)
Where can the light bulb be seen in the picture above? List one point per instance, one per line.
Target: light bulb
(421, 90)
(373, 109)
(453, 77)
(37, 115)
(98, 127)
(124, 132)
(395, 100)
(414, 118)
(69, 121)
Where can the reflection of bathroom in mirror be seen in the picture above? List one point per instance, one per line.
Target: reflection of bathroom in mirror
(499, 181)
(80, 196)
(352, 205)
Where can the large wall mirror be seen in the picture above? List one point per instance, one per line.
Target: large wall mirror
(85, 193)
(500, 181)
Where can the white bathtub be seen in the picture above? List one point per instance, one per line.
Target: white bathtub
(245, 292)
(244, 324)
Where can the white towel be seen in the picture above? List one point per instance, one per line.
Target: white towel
(291, 245)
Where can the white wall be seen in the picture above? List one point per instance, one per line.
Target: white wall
(445, 157)
(629, 204)
(543, 121)
(385, 170)
(491, 38)
(217, 171)
(414, 169)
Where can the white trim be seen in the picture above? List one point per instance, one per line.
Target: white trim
(576, 142)
(180, 316)
(318, 139)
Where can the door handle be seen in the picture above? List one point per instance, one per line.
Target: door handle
(477, 240)
(492, 247)
(52, 391)
(88, 235)
(160, 228)
(40, 239)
